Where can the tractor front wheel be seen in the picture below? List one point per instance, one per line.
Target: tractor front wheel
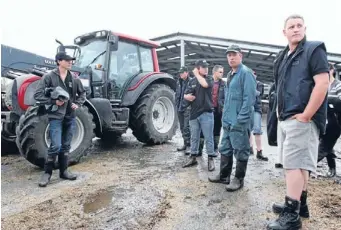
(8, 136)
(153, 119)
(33, 136)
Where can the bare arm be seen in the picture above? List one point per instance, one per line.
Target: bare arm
(318, 94)
(202, 81)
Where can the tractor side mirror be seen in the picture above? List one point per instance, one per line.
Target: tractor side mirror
(73, 51)
(113, 41)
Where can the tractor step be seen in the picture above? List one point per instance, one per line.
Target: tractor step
(121, 117)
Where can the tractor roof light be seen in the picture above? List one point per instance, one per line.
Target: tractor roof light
(102, 33)
(78, 40)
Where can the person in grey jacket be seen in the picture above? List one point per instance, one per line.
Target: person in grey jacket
(62, 119)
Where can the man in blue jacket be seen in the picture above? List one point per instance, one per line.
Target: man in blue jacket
(240, 96)
(302, 80)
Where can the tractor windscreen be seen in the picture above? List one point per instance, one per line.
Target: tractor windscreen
(93, 55)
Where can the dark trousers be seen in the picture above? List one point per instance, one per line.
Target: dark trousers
(329, 139)
(61, 132)
(216, 131)
(184, 126)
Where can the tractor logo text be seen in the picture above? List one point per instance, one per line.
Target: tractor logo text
(50, 62)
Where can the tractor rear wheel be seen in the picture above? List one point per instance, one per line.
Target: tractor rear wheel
(33, 138)
(153, 119)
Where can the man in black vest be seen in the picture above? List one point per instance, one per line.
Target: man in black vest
(302, 80)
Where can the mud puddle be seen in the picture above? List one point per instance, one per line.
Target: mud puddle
(104, 199)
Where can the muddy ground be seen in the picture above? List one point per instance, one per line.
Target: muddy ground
(126, 185)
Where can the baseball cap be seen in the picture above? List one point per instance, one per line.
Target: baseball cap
(183, 69)
(64, 56)
(201, 63)
(233, 48)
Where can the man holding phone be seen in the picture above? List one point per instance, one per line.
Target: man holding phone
(199, 93)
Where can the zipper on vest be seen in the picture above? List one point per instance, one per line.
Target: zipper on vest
(285, 74)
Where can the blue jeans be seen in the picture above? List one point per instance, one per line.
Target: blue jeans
(204, 123)
(257, 124)
(61, 132)
(235, 140)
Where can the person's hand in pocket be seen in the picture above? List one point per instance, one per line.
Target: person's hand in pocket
(301, 118)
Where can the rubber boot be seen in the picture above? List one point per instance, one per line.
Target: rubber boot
(63, 165)
(289, 218)
(260, 156)
(210, 164)
(192, 160)
(304, 211)
(48, 168)
(238, 180)
(226, 163)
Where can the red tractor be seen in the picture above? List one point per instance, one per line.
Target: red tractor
(124, 90)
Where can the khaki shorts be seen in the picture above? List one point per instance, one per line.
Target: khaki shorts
(298, 144)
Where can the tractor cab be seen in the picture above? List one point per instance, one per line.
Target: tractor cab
(110, 61)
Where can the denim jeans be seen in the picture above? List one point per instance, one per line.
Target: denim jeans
(61, 132)
(235, 140)
(204, 123)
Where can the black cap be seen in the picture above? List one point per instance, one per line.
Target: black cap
(183, 69)
(64, 56)
(201, 63)
(233, 48)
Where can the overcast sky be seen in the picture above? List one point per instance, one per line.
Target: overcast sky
(33, 25)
